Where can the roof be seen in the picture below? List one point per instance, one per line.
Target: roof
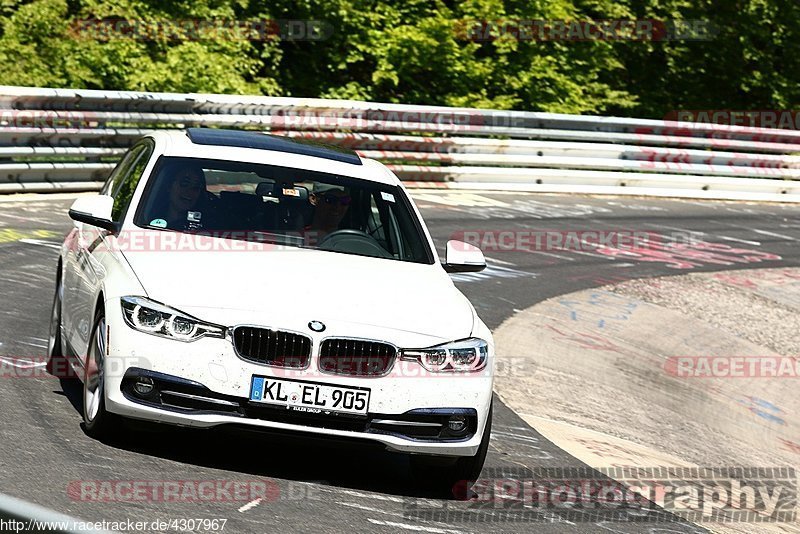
(176, 143)
(262, 141)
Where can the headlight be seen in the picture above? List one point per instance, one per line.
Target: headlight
(147, 316)
(467, 355)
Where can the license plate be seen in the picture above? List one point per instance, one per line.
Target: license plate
(310, 397)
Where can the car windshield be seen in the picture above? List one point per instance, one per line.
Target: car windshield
(286, 206)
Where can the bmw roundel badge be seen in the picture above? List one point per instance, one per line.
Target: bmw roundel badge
(316, 326)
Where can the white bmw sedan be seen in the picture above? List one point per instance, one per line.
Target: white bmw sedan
(236, 278)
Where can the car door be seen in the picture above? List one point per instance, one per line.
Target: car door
(86, 273)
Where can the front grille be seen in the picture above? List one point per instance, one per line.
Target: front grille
(272, 347)
(356, 357)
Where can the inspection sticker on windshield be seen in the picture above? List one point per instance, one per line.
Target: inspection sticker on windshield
(193, 216)
(388, 197)
(291, 192)
(158, 223)
(310, 397)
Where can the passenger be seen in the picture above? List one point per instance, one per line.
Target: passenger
(330, 206)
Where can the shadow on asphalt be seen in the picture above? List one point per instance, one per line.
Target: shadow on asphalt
(72, 389)
(354, 464)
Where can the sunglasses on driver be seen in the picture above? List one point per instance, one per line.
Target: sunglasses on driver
(189, 182)
(333, 200)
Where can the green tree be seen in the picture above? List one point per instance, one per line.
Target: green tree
(417, 51)
(51, 43)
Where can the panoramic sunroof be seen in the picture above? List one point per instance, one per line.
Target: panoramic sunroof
(261, 141)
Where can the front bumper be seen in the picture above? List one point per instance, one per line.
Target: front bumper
(205, 384)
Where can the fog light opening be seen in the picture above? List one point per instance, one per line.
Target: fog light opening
(143, 386)
(457, 424)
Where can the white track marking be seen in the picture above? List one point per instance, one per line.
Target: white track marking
(375, 496)
(418, 528)
(737, 240)
(29, 219)
(552, 255)
(773, 234)
(368, 508)
(455, 199)
(26, 364)
(17, 217)
(684, 230)
(34, 197)
(590, 254)
(40, 243)
(515, 437)
(379, 497)
(250, 505)
(501, 262)
(522, 428)
(40, 345)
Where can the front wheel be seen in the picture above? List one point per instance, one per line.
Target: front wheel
(57, 363)
(453, 475)
(97, 421)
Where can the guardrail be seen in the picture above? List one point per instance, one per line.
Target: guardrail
(64, 139)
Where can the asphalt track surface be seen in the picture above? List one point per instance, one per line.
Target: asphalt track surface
(320, 488)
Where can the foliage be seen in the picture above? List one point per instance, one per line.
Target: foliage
(416, 51)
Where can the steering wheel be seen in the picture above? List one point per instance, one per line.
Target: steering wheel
(355, 241)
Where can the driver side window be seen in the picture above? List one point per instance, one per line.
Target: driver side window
(122, 186)
(112, 183)
(375, 226)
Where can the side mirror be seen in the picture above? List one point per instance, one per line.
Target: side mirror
(94, 210)
(460, 257)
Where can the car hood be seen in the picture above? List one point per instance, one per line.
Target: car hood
(288, 287)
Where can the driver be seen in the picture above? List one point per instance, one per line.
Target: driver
(184, 202)
(331, 203)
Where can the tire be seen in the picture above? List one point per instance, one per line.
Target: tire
(98, 423)
(57, 363)
(453, 475)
